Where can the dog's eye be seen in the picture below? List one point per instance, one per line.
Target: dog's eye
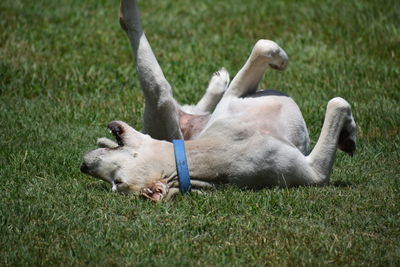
(117, 182)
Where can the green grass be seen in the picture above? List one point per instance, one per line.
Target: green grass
(66, 71)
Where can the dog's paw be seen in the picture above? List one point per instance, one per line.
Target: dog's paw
(276, 56)
(347, 137)
(219, 82)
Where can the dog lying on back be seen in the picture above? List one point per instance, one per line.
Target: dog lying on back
(235, 134)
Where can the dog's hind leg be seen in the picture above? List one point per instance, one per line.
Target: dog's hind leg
(292, 168)
(338, 131)
(161, 114)
(265, 54)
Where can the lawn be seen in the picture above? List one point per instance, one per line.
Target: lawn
(66, 70)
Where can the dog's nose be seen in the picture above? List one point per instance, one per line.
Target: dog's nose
(84, 168)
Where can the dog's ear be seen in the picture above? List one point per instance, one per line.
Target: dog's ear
(156, 191)
(107, 143)
(126, 135)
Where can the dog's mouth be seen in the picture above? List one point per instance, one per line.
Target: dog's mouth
(156, 191)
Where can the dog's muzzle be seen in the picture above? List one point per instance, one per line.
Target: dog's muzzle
(84, 168)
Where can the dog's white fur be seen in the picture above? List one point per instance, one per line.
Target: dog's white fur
(253, 138)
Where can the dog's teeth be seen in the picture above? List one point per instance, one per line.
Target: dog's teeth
(148, 191)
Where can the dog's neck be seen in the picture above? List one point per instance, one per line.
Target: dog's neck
(203, 157)
(204, 160)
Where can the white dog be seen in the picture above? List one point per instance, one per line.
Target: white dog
(235, 134)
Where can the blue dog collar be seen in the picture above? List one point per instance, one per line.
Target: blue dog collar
(182, 166)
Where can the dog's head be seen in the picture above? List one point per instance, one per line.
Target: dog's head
(134, 164)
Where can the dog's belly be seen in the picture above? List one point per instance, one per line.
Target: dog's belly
(269, 162)
(276, 115)
(191, 125)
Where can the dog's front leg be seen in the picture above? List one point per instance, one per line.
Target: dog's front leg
(216, 88)
(161, 114)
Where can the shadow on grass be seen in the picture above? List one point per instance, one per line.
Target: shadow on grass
(342, 184)
(104, 187)
(228, 186)
(98, 186)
